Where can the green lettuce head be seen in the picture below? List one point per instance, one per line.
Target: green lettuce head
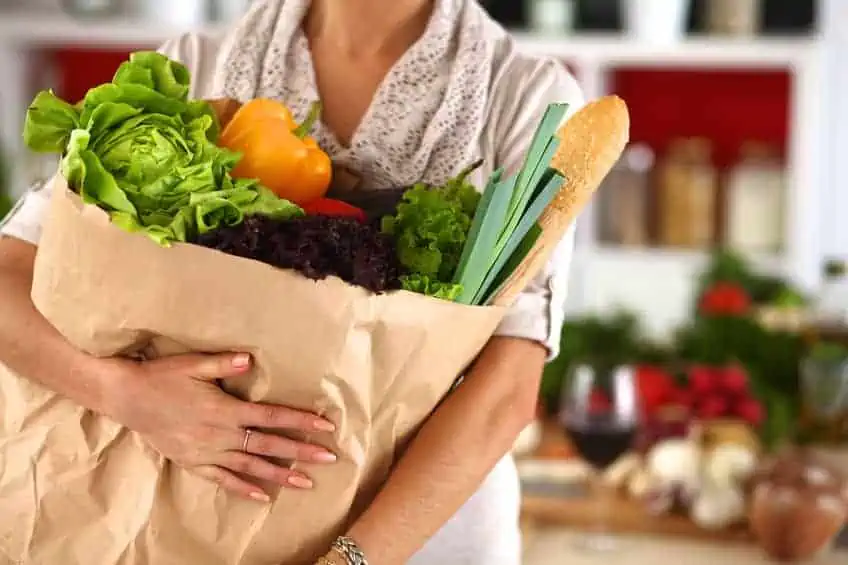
(139, 149)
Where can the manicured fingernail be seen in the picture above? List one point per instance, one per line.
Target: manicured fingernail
(300, 482)
(241, 361)
(324, 426)
(325, 457)
(260, 497)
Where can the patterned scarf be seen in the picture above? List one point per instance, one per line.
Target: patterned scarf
(425, 120)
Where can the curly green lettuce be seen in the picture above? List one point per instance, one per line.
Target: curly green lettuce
(423, 284)
(141, 150)
(430, 228)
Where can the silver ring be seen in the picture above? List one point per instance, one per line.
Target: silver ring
(247, 433)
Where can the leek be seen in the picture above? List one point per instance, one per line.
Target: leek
(505, 225)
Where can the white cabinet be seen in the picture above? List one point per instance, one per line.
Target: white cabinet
(834, 198)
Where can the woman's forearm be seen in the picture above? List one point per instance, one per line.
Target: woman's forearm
(454, 452)
(29, 345)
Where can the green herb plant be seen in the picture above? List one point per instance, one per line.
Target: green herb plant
(430, 229)
(141, 150)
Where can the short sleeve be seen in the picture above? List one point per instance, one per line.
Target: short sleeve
(526, 88)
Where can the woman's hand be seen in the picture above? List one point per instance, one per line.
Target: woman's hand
(176, 405)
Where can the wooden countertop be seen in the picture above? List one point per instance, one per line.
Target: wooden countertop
(559, 547)
(560, 506)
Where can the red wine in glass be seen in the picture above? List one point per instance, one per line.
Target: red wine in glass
(599, 413)
(600, 440)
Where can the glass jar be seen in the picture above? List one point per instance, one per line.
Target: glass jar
(687, 190)
(756, 195)
(624, 198)
(824, 393)
(831, 308)
(551, 16)
(733, 17)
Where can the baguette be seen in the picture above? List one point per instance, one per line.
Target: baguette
(591, 142)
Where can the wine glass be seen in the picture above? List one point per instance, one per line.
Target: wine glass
(599, 413)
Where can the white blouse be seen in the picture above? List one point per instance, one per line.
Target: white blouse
(464, 91)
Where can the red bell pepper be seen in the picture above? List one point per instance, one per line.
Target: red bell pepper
(333, 208)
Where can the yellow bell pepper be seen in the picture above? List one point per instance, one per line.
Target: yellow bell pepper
(277, 151)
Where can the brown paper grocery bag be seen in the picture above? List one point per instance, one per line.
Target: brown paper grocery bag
(75, 488)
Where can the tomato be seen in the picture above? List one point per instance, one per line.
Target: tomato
(334, 208)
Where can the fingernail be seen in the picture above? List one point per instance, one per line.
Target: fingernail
(324, 426)
(241, 361)
(300, 482)
(260, 497)
(325, 457)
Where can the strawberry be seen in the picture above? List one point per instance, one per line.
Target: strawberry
(733, 380)
(712, 408)
(702, 380)
(655, 388)
(683, 398)
(751, 410)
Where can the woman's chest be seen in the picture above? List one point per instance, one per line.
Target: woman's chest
(384, 125)
(348, 90)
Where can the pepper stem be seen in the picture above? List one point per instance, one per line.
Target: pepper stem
(306, 126)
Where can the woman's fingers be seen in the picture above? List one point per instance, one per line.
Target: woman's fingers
(243, 414)
(255, 466)
(269, 445)
(250, 415)
(231, 482)
(200, 366)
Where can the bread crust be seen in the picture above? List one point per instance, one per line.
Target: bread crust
(591, 142)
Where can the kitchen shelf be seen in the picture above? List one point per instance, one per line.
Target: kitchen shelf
(615, 50)
(46, 30)
(51, 30)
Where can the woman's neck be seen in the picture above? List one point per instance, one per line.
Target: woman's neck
(367, 27)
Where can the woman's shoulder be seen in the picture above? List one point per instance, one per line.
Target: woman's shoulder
(520, 78)
(522, 85)
(517, 74)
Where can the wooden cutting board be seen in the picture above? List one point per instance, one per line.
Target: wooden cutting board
(622, 516)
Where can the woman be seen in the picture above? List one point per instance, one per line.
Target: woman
(412, 90)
